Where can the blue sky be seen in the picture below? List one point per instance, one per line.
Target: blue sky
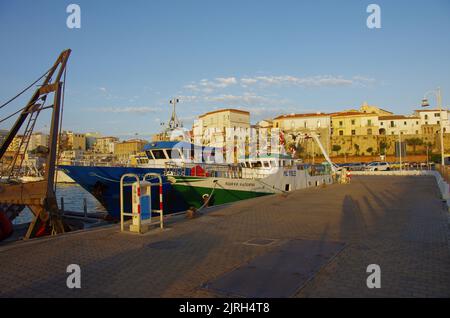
(269, 57)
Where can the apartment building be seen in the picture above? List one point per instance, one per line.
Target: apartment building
(430, 120)
(105, 145)
(123, 150)
(399, 124)
(354, 123)
(211, 128)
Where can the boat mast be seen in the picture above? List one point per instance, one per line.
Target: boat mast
(174, 123)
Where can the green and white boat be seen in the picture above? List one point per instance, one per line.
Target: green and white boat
(216, 184)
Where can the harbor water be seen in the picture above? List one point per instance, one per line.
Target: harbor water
(73, 195)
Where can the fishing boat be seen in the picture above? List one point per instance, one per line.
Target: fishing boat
(212, 184)
(189, 183)
(103, 182)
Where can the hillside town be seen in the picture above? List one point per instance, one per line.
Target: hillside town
(363, 134)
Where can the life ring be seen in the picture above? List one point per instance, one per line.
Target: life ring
(6, 227)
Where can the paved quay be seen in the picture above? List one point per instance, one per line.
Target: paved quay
(398, 223)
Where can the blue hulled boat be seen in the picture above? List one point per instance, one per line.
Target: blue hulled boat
(103, 182)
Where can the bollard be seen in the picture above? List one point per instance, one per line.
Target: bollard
(62, 205)
(85, 207)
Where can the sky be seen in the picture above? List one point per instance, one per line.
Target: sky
(129, 58)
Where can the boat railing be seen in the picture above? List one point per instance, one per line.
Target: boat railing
(230, 171)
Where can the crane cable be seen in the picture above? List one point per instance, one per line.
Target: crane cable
(24, 90)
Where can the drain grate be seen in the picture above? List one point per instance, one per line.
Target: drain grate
(260, 242)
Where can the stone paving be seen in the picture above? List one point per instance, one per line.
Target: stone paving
(398, 223)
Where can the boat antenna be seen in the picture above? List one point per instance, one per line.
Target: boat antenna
(174, 122)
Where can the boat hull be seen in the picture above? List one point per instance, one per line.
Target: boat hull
(104, 184)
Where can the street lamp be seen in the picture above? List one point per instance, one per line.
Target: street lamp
(425, 103)
(400, 149)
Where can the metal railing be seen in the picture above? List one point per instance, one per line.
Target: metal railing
(234, 171)
(136, 215)
(444, 171)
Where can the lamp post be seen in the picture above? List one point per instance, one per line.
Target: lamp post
(400, 150)
(425, 103)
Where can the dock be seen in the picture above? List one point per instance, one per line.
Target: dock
(316, 242)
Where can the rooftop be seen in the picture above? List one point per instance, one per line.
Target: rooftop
(225, 110)
(394, 117)
(302, 115)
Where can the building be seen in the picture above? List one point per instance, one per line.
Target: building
(430, 120)
(105, 145)
(73, 141)
(91, 138)
(3, 135)
(123, 150)
(15, 144)
(302, 122)
(354, 124)
(370, 109)
(294, 124)
(211, 128)
(399, 124)
(38, 139)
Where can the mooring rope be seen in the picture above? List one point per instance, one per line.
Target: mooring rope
(209, 197)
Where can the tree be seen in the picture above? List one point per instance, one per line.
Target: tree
(336, 148)
(383, 147)
(356, 146)
(414, 142)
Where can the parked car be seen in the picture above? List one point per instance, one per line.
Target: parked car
(378, 166)
(357, 166)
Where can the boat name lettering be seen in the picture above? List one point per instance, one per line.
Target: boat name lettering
(240, 184)
(290, 173)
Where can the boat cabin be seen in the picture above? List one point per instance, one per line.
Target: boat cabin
(158, 153)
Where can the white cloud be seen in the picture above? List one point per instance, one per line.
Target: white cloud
(209, 86)
(206, 86)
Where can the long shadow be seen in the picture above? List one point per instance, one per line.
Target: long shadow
(352, 220)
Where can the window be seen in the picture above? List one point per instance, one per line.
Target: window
(438, 122)
(369, 122)
(417, 122)
(437, 115)
(417, 132)
(353, 121)
(392, 124)
(404, 123)
(158, 154)
(340, 124)
(369, 131)
(353, 132)
(381, 124)
(341, 133)
(426, 117)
